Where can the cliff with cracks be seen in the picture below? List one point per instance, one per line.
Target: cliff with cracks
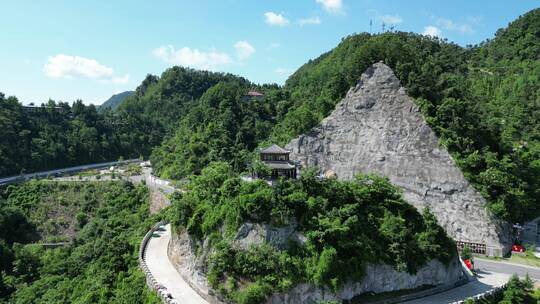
(378, 129)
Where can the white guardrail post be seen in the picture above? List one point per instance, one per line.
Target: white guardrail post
(150, 280)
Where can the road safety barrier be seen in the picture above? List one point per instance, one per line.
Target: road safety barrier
(483, 295)
(150, 280)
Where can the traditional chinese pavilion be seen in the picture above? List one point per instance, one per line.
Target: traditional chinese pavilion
(277, 159)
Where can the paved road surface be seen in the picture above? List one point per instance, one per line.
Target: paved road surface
(18, 178)
(507, 268)
(485, 281)
(165, 273)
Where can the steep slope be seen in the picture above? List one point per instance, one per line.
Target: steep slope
(304, 241)
(378, 129)
(115, 100)
(103, 222)
(159, 104)
(482, 102)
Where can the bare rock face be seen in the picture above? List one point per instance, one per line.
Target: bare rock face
(181, 252)
(251, 234)
(188, 257)
(378, 129)
(378, 279)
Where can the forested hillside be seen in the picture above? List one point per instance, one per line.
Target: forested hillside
(115, 100)
(345, 225)
(58, 135)
(483, 101)
(104, 222)
(158, 104)
(221, 126)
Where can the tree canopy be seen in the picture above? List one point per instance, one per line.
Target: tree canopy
(346, 224)
(103, 223)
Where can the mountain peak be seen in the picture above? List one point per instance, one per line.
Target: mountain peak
(378, 129)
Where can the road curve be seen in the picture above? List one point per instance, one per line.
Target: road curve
(484, 282)
(164, 272)
(507, 268)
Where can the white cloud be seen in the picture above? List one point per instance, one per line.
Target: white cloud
(432, 31)
(312, 20)
(272, 18)
(450, 25)
(119, 80)
(391, 19)
(65, 66)
(192, 57)
(332, 6)
(282, 71)
(243, 50)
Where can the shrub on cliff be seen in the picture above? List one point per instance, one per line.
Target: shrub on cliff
(346, 224)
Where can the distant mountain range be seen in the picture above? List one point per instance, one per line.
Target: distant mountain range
(116, 100)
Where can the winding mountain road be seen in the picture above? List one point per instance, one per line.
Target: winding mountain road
(484, 265)
(164, 272)
(25, 177)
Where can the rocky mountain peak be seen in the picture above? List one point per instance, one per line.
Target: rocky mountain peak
(378, 129)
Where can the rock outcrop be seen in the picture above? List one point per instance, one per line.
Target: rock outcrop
(251, 234)
(378, 279)
(192, 266)
(188, 257)
(378, 129)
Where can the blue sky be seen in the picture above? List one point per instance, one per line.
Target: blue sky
(89, 50)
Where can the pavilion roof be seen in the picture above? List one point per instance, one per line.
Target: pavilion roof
(275, 149)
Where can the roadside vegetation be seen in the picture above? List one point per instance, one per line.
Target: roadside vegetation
(103, 223)
(517, 291)
(346, 224)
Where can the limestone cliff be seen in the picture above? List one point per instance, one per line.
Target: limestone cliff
(378, 129)
(379, 278)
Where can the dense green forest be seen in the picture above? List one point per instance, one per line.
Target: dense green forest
(103, 222)
(158, 104)
(346, 224)
(58, 134)
(483, 101)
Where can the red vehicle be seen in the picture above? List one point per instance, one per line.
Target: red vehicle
(518, 248)
(468, 263)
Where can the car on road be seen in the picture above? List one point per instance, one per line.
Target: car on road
(469, 264)
(518, 248)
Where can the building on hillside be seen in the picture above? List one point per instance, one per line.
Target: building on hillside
(34, 109)
(253, 95)
(277, 160)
